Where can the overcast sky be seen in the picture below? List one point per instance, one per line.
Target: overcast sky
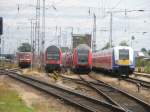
(75, 13)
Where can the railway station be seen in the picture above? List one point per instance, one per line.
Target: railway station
(74, 56)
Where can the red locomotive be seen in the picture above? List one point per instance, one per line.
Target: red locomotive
(53, 58)
(24, 59)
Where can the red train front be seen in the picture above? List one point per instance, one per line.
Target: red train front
(82, 58)
(53, 58)
(24, 59)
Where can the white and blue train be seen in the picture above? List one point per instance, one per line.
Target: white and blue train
(118, 60)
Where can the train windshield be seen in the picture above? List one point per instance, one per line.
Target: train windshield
(53, 56)
(83, 56)
(123, 54)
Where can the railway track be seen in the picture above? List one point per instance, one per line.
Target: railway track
(142, 75)
(126, 101)
(139, 82)
(102, 95)
(120, 98)
(88, 104)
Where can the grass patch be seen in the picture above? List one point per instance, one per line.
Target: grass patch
(147, 69)
(11, 102)
(6, 64)
(44, 107)
(145, 64)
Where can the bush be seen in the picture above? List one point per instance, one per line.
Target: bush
(147, 69)
(140, 63)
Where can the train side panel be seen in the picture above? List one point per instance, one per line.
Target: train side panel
(103, 59)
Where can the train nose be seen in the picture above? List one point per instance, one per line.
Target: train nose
(82, 59)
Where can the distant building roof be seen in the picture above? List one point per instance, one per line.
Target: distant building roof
(139, 54)
(80, 35)
(144, 55)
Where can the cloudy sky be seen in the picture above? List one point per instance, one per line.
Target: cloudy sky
(127, 21)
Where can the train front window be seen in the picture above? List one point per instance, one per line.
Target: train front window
(83, 56)
(123, 54)
(52, 56)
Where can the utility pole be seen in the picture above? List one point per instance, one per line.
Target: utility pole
(56, 34)
(37, 33)
(110, 38)
(34, 42)
(94, 33)
(1, 32)
(72, 37)
(59, 37)
(43, 36)
(31, 43)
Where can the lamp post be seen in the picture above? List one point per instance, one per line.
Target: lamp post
(43, 34)
(132, 38)
(32, 39)
(94, 33)
(71, 28)
(43, 37)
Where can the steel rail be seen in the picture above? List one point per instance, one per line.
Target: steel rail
(90, 85)
(145, 107)
(87, 103)
(100, 85)
(139, 82)
(141, 74)
(108, 98)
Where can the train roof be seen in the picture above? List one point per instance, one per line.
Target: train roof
(82, 46)
(116, 47)
(23, 52)
(52, 48)
(122, 47)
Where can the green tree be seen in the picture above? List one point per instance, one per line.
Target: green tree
(149, 52)
(25, 47)
(123, 43)
(106, 46)
(143, 50)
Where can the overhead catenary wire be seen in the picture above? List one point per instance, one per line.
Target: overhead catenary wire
(116, 5)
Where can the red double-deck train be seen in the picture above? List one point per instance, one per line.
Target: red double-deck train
(53, 58)
(80, 60)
